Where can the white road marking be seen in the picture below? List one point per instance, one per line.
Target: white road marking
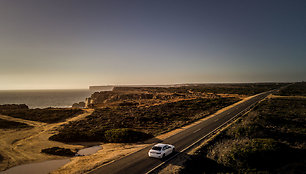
(197, 130)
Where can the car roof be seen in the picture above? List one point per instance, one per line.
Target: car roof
(160, 145)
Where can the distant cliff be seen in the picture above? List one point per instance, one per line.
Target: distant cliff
(100, 88)
(111, 87)
(141, 96)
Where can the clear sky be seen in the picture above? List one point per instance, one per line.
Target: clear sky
(74, 44)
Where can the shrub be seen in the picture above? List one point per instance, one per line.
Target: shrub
(249, 153)
(13, 106)
(153, 119)
(250, 127)
(242, 147)
(5, 124)
(125, 135)
(58, 151)
(296, 89)
(128, 104)
(71, 134)
(48, 115)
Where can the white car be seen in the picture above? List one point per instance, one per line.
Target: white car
(161, 150)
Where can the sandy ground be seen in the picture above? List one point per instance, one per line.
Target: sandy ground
(24, 146)
(109, 153)
(21, 146)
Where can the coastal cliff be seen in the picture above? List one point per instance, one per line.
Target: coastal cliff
(136, 96)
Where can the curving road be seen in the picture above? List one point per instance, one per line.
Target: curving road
(139, 162)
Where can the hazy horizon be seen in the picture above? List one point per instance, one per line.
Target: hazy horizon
(76, 44)
(144, 85)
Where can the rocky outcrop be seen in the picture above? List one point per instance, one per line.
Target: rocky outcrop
(79, 105)
(141, 96)
(128, 98)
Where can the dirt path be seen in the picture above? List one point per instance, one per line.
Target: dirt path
(22, 146)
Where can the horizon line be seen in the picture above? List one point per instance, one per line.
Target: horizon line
(144, 85)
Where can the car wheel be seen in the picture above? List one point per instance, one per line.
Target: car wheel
(173, 150)
(164, 155)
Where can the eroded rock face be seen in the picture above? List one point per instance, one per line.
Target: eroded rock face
(13, 106)
(78, 105)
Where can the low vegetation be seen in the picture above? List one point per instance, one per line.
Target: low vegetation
(242, 89)
(297, 89)
(13, 106)
(226, 88)
(5, 124)
(132, 124)
(269, 139)
(58, 151)
(47, 115)
(125, 135)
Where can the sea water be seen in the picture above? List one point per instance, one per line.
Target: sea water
(44, 98)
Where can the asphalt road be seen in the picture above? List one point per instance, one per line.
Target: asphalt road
(139, 162)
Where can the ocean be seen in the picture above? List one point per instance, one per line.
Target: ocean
(44, 98)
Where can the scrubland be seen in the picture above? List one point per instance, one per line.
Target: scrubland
(271, 138)
(47, 115)
(5, 124)
(132, 124)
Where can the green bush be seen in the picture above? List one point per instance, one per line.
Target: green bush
(125, 135)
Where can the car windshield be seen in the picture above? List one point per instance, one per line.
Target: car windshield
(156, 148)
